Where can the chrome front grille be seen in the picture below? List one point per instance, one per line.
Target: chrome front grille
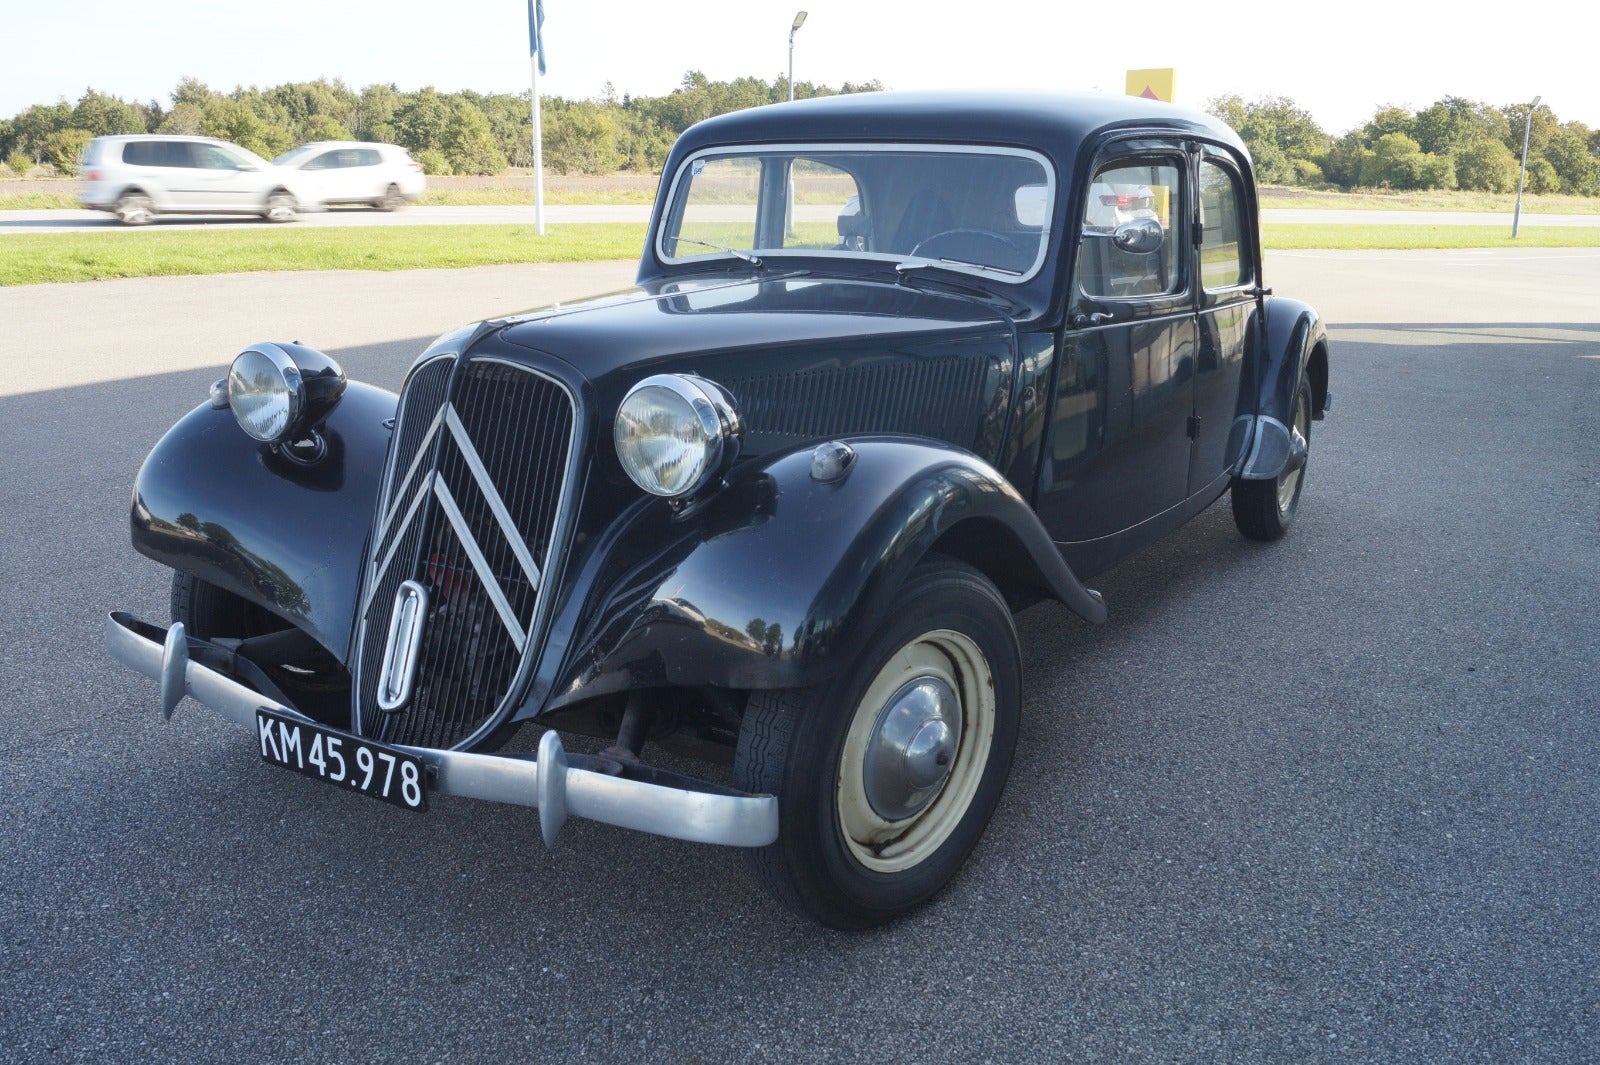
(472, 510)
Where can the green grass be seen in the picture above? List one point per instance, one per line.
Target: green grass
(1367, 238)
(34, 259)
(511, 197)
(36, 201)
(1275, 197)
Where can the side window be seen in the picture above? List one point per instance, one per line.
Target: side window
(720, 209)
(366, 157)
(1128, 191)
(321, 162)
(1223, 263)
(210, 157)
(825, 208)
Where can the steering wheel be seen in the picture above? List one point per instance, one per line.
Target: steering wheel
(965, 237)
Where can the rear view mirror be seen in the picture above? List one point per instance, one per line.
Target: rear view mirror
(1138, 237)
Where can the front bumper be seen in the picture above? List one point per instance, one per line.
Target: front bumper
(556, 783)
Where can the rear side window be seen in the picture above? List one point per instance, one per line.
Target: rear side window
(156, 153)
(365, 157)
(1222, 258)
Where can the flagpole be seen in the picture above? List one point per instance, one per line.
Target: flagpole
(538, 149)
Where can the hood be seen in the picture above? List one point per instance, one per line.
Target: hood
(669, 321)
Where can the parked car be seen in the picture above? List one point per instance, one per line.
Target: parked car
(774, 507)
(349, 172)
(138, 177)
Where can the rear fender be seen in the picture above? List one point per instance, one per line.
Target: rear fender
(782, 577)
(1295, 347)
(212, 502)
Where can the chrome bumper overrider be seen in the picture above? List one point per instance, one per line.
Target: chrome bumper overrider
(549, 782)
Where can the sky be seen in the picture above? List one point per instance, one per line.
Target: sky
(1339, 60)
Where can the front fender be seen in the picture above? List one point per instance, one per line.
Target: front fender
(212, 502)
(1294, 346)
(783, 577)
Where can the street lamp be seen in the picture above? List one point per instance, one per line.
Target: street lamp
(799, 20)
(1527, 127)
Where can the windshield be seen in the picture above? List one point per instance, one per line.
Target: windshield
(294, 154)
(984, 211)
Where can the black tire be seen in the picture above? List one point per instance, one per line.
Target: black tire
(1264, 510)
(210, 613)
(795, 744)
(391, 200)
(320, 687)
(135, 208)
(281, 206)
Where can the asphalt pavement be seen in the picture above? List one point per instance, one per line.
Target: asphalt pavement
(73, 221)
(1330, 799)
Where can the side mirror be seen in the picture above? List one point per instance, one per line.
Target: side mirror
(1138, 237)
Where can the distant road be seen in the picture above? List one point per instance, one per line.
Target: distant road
(68, 221)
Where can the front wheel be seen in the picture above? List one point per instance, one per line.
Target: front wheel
(887, 776)
(281, 207)
(1263, 510)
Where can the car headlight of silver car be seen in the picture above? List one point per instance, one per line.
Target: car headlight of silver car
(280, 392)
(675, 432)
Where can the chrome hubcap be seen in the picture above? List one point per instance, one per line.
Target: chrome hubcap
(912, 748)
(1290, 482)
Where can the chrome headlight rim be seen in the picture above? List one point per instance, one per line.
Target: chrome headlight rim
(713, 414)
(294, 390)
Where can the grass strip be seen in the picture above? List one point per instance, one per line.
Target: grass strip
(1386, 237)
(37, 258)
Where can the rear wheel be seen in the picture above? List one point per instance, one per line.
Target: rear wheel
(135, 208)
(887, 776)
(391, 200)
(1264, 510)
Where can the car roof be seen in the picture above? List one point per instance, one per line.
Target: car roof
(1052, 123)
(343, 144)
(127, 137)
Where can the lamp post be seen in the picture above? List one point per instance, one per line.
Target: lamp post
(1527, 127)
(799, 20)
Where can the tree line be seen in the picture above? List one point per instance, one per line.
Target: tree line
(1454, 144)
(449, 133)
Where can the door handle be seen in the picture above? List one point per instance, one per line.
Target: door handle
(1097, 318)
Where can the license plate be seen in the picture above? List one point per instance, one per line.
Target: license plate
(342, 760)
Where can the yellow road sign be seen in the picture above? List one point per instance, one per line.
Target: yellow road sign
(1153, 84)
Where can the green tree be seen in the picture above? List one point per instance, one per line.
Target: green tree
(375, 113)
(581, 138)
(104, 115)
(1567, 149)
(1389, 118)
(234, 120)
(185, 119)
(1486, 165)
(1542, 177)
(324, 128)
(33, 127)
(468, 142)
(433, 161)
(420, 122)
(63, 147)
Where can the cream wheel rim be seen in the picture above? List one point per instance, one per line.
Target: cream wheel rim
(897, 802)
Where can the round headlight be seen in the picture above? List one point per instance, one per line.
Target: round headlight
(266, 392)
(674, 432)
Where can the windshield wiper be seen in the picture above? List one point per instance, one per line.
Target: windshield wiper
(913, 264)
(746, 256)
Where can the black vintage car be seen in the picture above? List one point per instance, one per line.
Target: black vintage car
(895, 367)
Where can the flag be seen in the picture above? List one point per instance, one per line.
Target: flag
(536, 31)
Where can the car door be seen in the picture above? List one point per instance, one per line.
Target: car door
(1227, 300)
(223, 181)
(1117, 453)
